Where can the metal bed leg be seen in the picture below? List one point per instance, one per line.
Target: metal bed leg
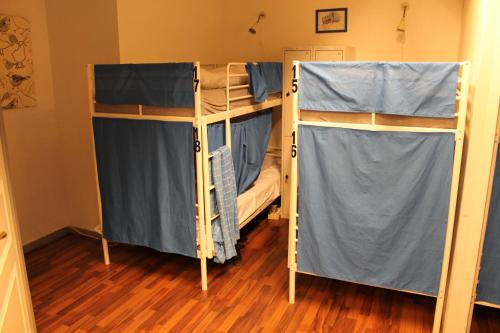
(204, 282)
(291, 288)
(105, 250)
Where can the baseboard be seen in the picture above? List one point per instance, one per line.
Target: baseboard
(38, 243)
(85, 232)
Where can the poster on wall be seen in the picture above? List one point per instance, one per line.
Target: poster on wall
(17, 89)
(331, 20)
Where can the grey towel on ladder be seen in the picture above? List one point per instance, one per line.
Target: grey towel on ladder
(225, 229)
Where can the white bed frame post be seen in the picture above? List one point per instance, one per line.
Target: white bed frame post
(91, 97)
(202, 236)
(206, 189)
(292, 240)
(462, 96)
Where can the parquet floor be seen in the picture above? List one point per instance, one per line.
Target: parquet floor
(143, 290)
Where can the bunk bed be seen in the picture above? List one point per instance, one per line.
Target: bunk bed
(150, 125)
(488, 271)
(376, 157)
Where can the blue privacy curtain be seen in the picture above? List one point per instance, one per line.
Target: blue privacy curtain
(249, 141)
(264, 78)
(373, 206)
(488, 289)
(147, 183)
(412, 89)
(167, 85)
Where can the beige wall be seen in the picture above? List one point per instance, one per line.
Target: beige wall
(433, 28)
(217, 30)
(481, 45)
(160, 31)
(49, 151)
(80, 33)
(32, 138)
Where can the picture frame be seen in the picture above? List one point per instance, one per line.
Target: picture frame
(17, 86)
(331, 20)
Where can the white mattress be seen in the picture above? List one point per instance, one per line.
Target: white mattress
(263, 192)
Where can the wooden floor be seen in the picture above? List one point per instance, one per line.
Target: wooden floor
(143, 290)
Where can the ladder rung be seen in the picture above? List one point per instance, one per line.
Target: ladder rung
(239, 87)
(215, 216)
(239, 98)
(238, 75)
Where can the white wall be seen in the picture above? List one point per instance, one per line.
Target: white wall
(33, 140)
(433, 28)
(80, 33)
(161, 31)
(217, 30)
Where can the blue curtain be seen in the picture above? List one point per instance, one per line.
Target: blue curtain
(147, 183)
(412, 89)
(166, 85)
(488, 289)
(373, 206)
(249, 141)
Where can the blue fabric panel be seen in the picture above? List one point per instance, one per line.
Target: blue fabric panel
(264, 78)
(249, 141)
(488, 289)
(412, 89)
(147, 183)
(257, 83)
(373, 206)
(216, 136)
(166, 85)
(272, 72)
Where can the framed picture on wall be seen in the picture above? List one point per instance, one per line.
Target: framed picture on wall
(331, 20)
(17, 88)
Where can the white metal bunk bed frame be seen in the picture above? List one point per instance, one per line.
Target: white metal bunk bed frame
(200, 123)
(458, 130)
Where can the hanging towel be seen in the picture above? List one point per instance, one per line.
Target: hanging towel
(272, 73)
(225, 229)
(264, 78)
(257, 84)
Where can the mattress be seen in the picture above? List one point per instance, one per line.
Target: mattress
(214, 100)
(213, 93)
(263, 192)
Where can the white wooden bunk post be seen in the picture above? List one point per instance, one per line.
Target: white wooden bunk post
(462, 98)
(91, 96)
(206, 189)
(199, 176)
(292, 234)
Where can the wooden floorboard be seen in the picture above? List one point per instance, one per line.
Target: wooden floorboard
(147, 291)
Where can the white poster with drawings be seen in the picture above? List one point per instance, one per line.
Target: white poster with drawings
(17, 89)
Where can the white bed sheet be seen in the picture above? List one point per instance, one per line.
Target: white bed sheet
(265, 190)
